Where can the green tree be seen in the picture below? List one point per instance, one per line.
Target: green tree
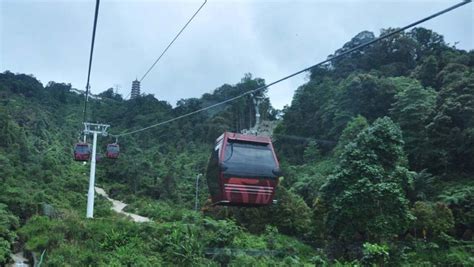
(460, 200)
(8, 225)
(375, 254)
(109, 93)
(427, 71)
(412, 110)
(312, 152)
(366, 95)
(58, 91)
(366, 197)
(353, 128)
(291, 215)
(451, 130)
(432, 219)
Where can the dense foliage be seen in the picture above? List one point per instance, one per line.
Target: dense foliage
(402, 114)
(377, 150)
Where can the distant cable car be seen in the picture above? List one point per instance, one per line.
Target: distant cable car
(243, 170)
(113, 151)
(82, 152)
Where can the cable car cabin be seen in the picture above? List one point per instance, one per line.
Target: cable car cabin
(113, 151)
(243, 170)
(82, 152)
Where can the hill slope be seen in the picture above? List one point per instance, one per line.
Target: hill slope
(376, 148)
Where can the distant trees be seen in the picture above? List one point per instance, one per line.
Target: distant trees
(414, 77)
(8, 130)
(58, 91)
(109, 93)
(241, 113)
(394, 56)
(26, 85)
(322, 110)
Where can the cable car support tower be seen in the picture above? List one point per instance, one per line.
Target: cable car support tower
(94, 129)
(257, 100)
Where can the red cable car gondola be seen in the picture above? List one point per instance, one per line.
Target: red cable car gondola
(243, 170)
(82, 152)
(113, 151)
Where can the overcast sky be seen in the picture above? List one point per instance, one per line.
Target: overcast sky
(270, 39)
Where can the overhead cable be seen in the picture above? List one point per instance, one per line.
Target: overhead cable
(174, 39)
(90, 60)
(384, 36)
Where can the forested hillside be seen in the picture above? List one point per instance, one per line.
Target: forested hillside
(376, 149)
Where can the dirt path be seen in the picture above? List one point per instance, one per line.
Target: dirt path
(118, 206)
(19, 260)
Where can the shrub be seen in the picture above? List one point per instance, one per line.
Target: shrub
(375, 254)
